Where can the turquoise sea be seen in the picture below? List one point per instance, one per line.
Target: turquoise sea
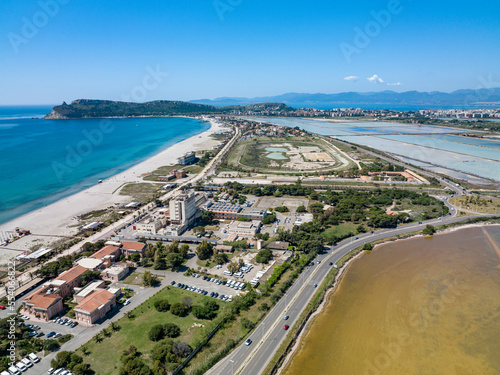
(45, 160)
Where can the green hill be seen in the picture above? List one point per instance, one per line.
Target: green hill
(88, 108)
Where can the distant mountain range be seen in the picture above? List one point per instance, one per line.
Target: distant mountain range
(92, 108)
(459, 98)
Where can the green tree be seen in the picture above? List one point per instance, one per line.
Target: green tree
(162, 305)
(264, 256)
(156, 333)
(221, 258)
(204, 250)
(174, 260)
(233, 267)
(367, 246)
(282, 209)
(179, 309)
(429, 230)
(361, 229)
(148, 279)
(269, 219)
(247, 324)
(51, 345)
(172, 330)
(208, 217)
(301, 209)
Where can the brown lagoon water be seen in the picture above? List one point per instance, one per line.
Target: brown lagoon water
(417, 306)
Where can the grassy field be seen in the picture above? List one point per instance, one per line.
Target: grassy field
(104, 356)
(140, 191)
(339, 230)
(135, 278)
(482, 205)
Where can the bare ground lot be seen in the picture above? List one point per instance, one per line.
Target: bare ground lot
(291, 203)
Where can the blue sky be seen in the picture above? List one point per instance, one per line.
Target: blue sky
(60, 50)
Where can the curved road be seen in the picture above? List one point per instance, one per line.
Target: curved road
(268, 336)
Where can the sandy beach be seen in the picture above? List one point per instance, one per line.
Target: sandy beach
(59, 218)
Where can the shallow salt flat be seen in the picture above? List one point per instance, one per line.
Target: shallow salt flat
(469, 164)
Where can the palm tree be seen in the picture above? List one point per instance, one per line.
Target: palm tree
(98, 338)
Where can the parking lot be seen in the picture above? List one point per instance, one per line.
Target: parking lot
(47, 327)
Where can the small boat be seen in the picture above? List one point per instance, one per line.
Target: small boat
(99, 182)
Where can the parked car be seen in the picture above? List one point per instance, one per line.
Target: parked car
(126, 303)
(50, 334)
(34, 357)
(172, 283)
(2, 307)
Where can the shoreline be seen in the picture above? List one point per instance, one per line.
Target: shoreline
(339, 278)
(56, 219)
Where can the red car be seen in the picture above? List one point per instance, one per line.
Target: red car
(2, 307)
(285, 327)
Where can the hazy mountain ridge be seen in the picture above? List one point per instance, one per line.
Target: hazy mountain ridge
(457, 98)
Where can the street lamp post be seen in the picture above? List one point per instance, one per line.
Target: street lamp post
(232, 366)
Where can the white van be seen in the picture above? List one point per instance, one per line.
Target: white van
(228, 273)
(33, 357)
(27, 362)
(21, 366)
(14, 370)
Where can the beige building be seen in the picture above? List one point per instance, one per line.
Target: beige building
(244, 228)
(151, 224)
(94, 307)
(115, 273)
(43, 304)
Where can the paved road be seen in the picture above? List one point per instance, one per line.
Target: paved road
(267, 337)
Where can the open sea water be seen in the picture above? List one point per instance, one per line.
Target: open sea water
(45, 160)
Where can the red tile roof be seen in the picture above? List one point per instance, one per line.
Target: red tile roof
(42, 300)
(139, 246)
(71, 274)
(106, 250)
(94, 301)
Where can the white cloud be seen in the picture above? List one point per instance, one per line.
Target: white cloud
(351, 78)
(395, 84)
(375, 79)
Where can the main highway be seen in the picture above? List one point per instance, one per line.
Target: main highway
(270, 333)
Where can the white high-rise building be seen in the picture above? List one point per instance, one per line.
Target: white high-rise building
(183, 209)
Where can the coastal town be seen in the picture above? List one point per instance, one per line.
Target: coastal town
(224, 223)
